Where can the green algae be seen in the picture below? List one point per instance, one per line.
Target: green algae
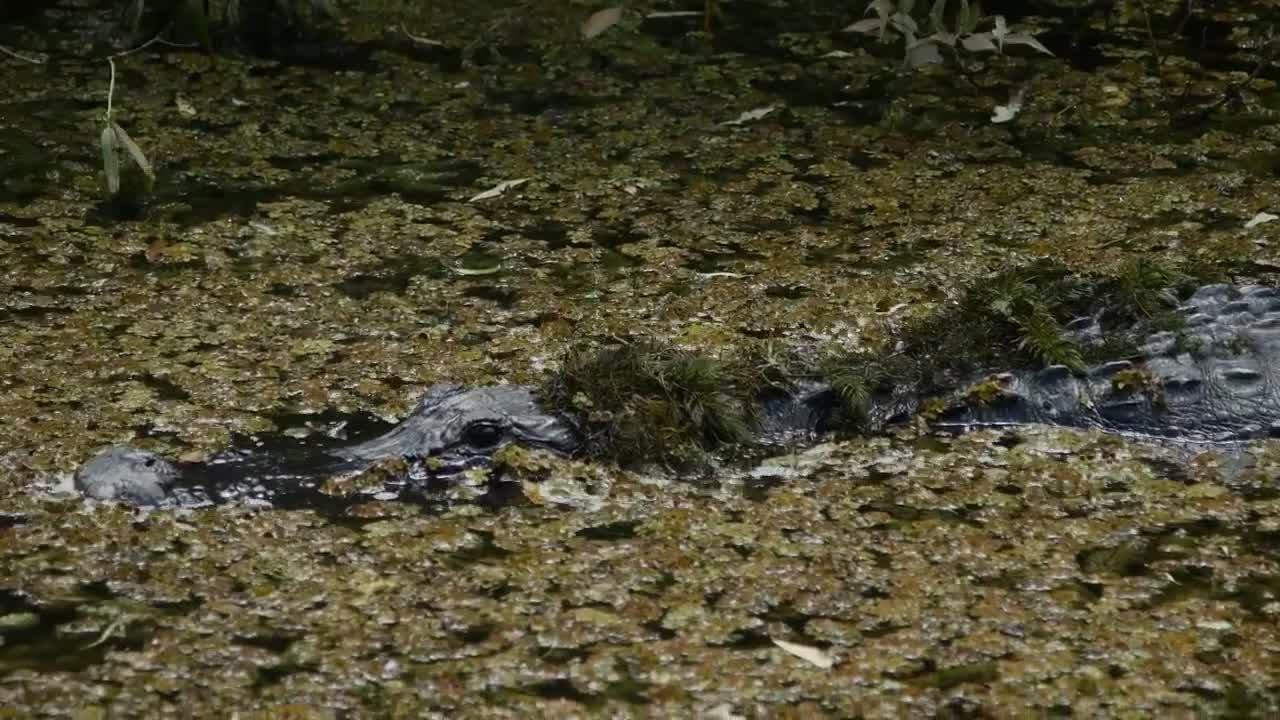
(222, 309)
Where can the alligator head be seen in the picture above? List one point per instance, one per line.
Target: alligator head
(458, 428)
(451, 430)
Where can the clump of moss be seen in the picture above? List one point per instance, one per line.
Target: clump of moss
(645, 401)
(1019, 319)
(1141, 289)
(1015, 318)
(869, 388)
(1140, 298)
(1141, 383)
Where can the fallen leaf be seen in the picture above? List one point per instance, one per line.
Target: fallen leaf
(750, 115)
(498, 189)
(1005, 113)
(600, 21)
(185, 108)
(1260, 218)
(808, 653)
(723, 711)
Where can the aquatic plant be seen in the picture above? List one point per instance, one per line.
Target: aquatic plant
(1143, 285)
(115, 142)
(893, 21)
(641, 399)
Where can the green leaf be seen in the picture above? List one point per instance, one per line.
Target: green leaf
(936, 14)
(135, 152)
(978, 42)
(1000, 31)
(904, 24)
(110, 163)
(970, 16)
(133, 16)
(923, 52)
(1025, 39)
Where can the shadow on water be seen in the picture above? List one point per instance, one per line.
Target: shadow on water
(393, 276)
(189, 196)
(73, 633)
(1171, 551)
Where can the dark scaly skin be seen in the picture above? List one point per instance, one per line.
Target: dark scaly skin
(451, 430)
(1217, 380)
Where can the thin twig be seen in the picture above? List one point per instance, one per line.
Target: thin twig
(419, 39)
(1155, 46)
(171, 43)
(111, 87)
(20, 56)
(1186, 18)
(1177, 32)
(131, 51)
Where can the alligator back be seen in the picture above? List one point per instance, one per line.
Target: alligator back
(1217, 379)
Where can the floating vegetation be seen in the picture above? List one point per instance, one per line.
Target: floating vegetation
(1043, 314)
(644, 400)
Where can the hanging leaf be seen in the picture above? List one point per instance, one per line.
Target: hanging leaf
(135, 152)
(944, 38)
(970, 16)
(978, 42)
(936, 14)
(600, 21)
(1025, 39)
(110, 163)
(133, 16)
(904, 24)
(880, 23)
(867, 27)
(999, 32)
(327, 8)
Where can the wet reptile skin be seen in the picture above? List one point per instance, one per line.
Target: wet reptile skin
(1213, 381)
(451, 429)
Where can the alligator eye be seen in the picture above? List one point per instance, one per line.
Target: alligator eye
(482, 434)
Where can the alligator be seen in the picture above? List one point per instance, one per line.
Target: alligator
(1213, 380)
(451, 430)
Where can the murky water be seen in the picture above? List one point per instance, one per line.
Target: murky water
(315, 247)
